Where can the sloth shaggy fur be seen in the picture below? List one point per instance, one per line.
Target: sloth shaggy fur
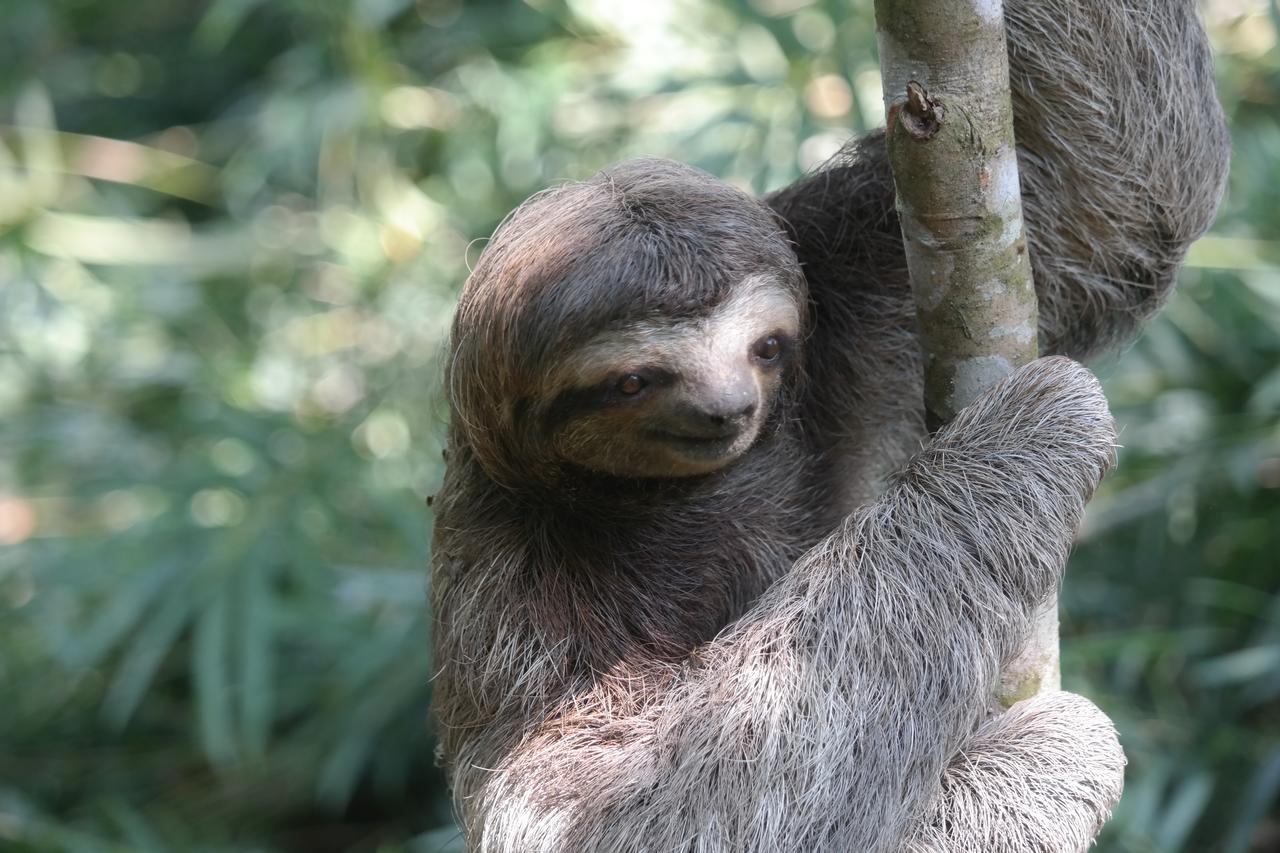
(797, 651)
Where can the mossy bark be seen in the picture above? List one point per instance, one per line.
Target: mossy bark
(950, 138)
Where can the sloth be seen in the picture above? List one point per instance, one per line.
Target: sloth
(702, 581)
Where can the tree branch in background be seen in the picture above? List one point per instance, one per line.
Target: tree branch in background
(950, 138)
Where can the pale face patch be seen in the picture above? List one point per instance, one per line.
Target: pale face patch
(706, 386)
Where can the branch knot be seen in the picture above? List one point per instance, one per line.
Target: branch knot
(921, 116)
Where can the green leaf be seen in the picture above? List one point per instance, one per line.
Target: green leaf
(1183, 811)
(149, 648)
(210, 662)
(1261, 793)
(121, 612)
(256, 656)
(220, 24)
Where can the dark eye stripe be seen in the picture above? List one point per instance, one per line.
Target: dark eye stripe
(576, 401)
(571, 403)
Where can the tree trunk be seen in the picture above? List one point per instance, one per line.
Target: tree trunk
(950, 138)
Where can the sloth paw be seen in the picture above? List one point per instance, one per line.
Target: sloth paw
(1042, 776)
(1048, 419)
(1010, 476)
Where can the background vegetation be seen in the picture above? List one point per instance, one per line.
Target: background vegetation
(230, 235)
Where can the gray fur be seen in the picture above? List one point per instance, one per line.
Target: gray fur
(747, 660)
(1036, 778)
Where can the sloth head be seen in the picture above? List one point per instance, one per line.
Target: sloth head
(644, 323)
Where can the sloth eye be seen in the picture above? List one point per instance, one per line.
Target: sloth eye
(768, 349)
(631, 384)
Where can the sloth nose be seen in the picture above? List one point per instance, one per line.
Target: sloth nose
(729, 401)
(723, 411)
(714, 419)
(732, 412)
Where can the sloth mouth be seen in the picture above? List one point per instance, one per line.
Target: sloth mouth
(704, 446)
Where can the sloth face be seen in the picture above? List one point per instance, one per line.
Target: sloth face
(676, 399)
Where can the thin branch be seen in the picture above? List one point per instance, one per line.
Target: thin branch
(950, 138)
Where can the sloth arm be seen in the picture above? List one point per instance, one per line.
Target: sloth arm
(823, 718)
(1122, 153)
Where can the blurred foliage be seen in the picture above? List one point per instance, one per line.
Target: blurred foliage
(230, 236)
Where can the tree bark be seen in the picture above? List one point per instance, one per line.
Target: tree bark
(945, 70)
